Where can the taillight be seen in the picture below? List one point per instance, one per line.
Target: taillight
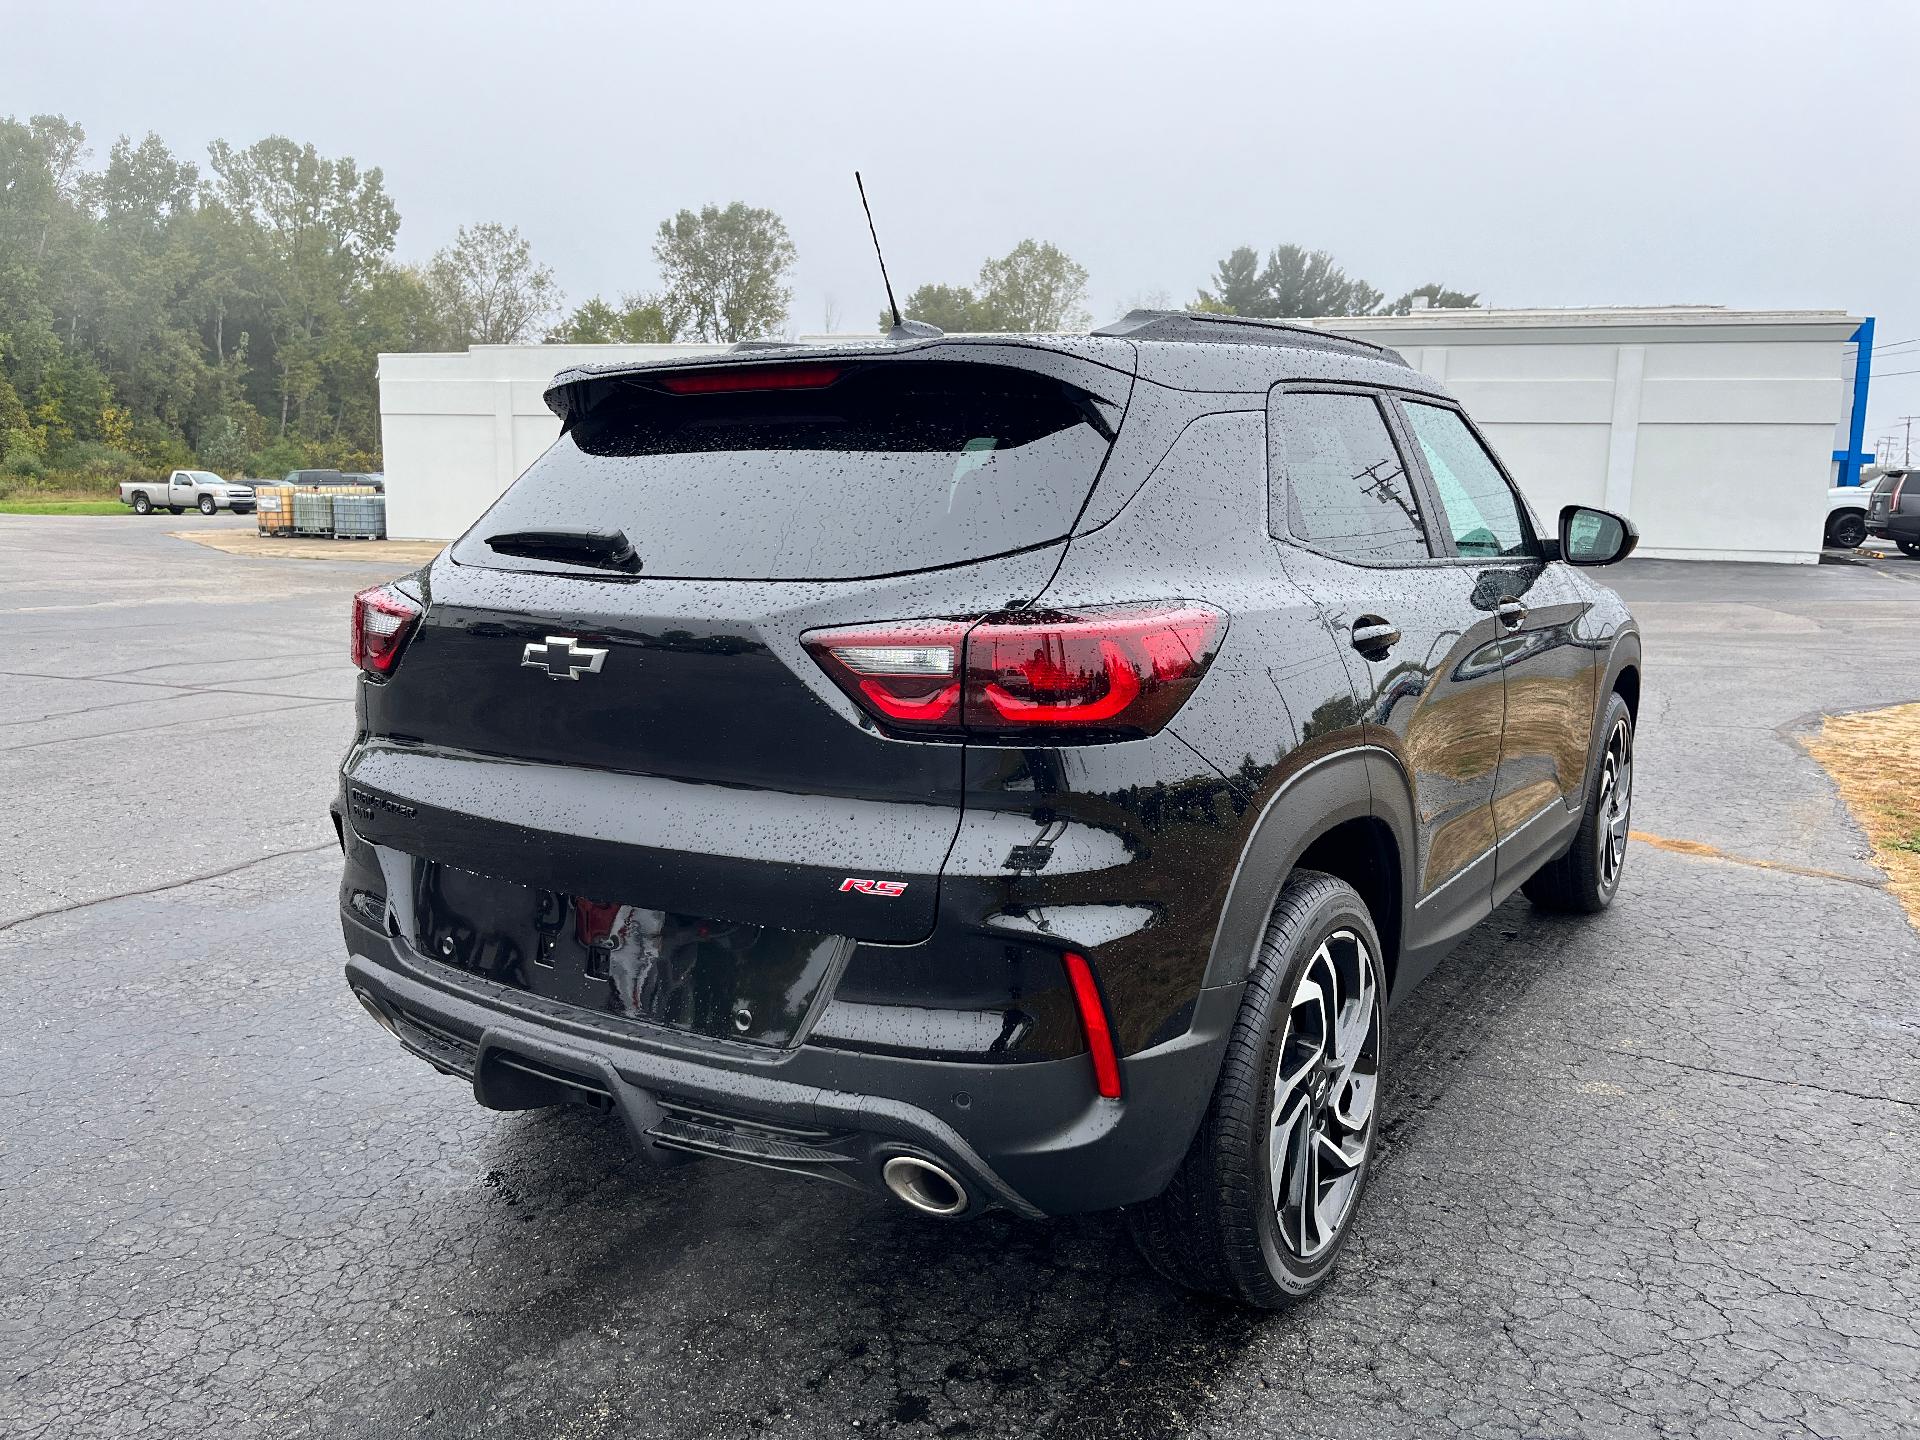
(1093, 1024)
(383, 618)
(1109, 672)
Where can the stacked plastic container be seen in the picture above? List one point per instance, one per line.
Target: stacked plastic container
(312, 513)
(360, 517)
(274, 508)
(310, 510)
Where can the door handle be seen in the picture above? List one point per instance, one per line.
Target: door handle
(1373, 637)
(1512, 613)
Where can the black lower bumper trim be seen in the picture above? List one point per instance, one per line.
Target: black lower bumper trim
(504, 1079)
(1033, 1138)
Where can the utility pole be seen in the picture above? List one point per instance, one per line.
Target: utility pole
(1906, 448)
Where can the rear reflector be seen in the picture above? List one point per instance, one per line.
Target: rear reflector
(1093, 1023)
(1111, 672)
(383, 618)
(758, 377)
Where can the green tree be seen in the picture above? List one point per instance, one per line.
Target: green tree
(1035, 286)
(1237, 286)
(637, 320)
(321, 231)
(725, 272)
(1437, 296)
(488, 288)
(1294, 283)
(225, 446)
(953, 308)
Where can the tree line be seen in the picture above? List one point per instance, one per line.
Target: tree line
(156, 312)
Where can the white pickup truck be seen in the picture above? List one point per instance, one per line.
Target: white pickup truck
(202, 489)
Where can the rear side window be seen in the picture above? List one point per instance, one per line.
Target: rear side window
(1483, 512)
(1345, 490)
(886, 468)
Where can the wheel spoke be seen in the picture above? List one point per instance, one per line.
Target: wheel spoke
(1305, 1194)
(1353, 1102)
(1302, 1048)
(1338, 1171)
(1355, 1015)
(1282, 1148)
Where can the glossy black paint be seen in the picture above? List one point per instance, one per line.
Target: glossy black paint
(710, 780)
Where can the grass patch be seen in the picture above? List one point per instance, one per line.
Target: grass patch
(1874, 757)
(63, 507)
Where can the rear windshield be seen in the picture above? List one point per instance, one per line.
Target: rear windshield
(890, 467)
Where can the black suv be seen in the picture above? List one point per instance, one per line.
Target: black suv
(999, 771)
(1893, 510)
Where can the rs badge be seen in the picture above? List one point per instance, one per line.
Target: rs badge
(888, 888)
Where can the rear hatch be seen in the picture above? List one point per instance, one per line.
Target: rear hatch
(660, 740)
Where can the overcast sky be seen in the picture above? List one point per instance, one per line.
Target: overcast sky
(1745, 154)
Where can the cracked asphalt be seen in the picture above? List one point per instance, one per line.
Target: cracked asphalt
(1649, 1174)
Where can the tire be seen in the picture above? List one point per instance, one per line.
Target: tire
(1911, 547)
(1585, 879)
(141, 504)
(1223, 1225)
(176, 509)
(1847, 529)
(208, 505)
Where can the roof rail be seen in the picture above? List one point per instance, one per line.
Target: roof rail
(1199, 325)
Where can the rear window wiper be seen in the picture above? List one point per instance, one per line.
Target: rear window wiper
(602, 549)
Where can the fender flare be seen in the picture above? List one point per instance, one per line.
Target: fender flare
(1625, 652)
(1363, 782)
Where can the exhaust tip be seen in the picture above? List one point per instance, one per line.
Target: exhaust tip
(372, 1007)
(924, 1186)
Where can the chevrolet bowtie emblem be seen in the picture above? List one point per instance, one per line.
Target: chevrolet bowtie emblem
(563, 658)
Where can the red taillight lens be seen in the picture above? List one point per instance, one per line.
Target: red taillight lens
(1101, 673)
(758, 377)
(1093, 1023)
(383, 618)
(1121, 671)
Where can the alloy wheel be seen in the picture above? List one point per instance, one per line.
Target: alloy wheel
(1325, 1086)
(1616, 803)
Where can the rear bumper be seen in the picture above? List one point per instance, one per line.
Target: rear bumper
(1028, 1137)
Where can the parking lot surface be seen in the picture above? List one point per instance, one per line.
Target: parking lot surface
(1648, 1174)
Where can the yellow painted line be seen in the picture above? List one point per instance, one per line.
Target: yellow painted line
(1700, 850)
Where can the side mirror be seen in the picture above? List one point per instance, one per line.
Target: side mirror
(1595, 537)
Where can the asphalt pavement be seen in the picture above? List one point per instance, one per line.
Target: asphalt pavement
(1652, 1173)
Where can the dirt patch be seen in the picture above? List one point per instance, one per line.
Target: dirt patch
(1700, 850)
(398, 553)
(1874, 757)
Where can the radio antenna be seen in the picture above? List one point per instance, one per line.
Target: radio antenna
(892, 304)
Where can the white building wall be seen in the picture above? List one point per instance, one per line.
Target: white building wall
(457, 429)
(1712, 429)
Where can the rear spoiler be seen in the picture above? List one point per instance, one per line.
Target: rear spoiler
(1102, 366)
